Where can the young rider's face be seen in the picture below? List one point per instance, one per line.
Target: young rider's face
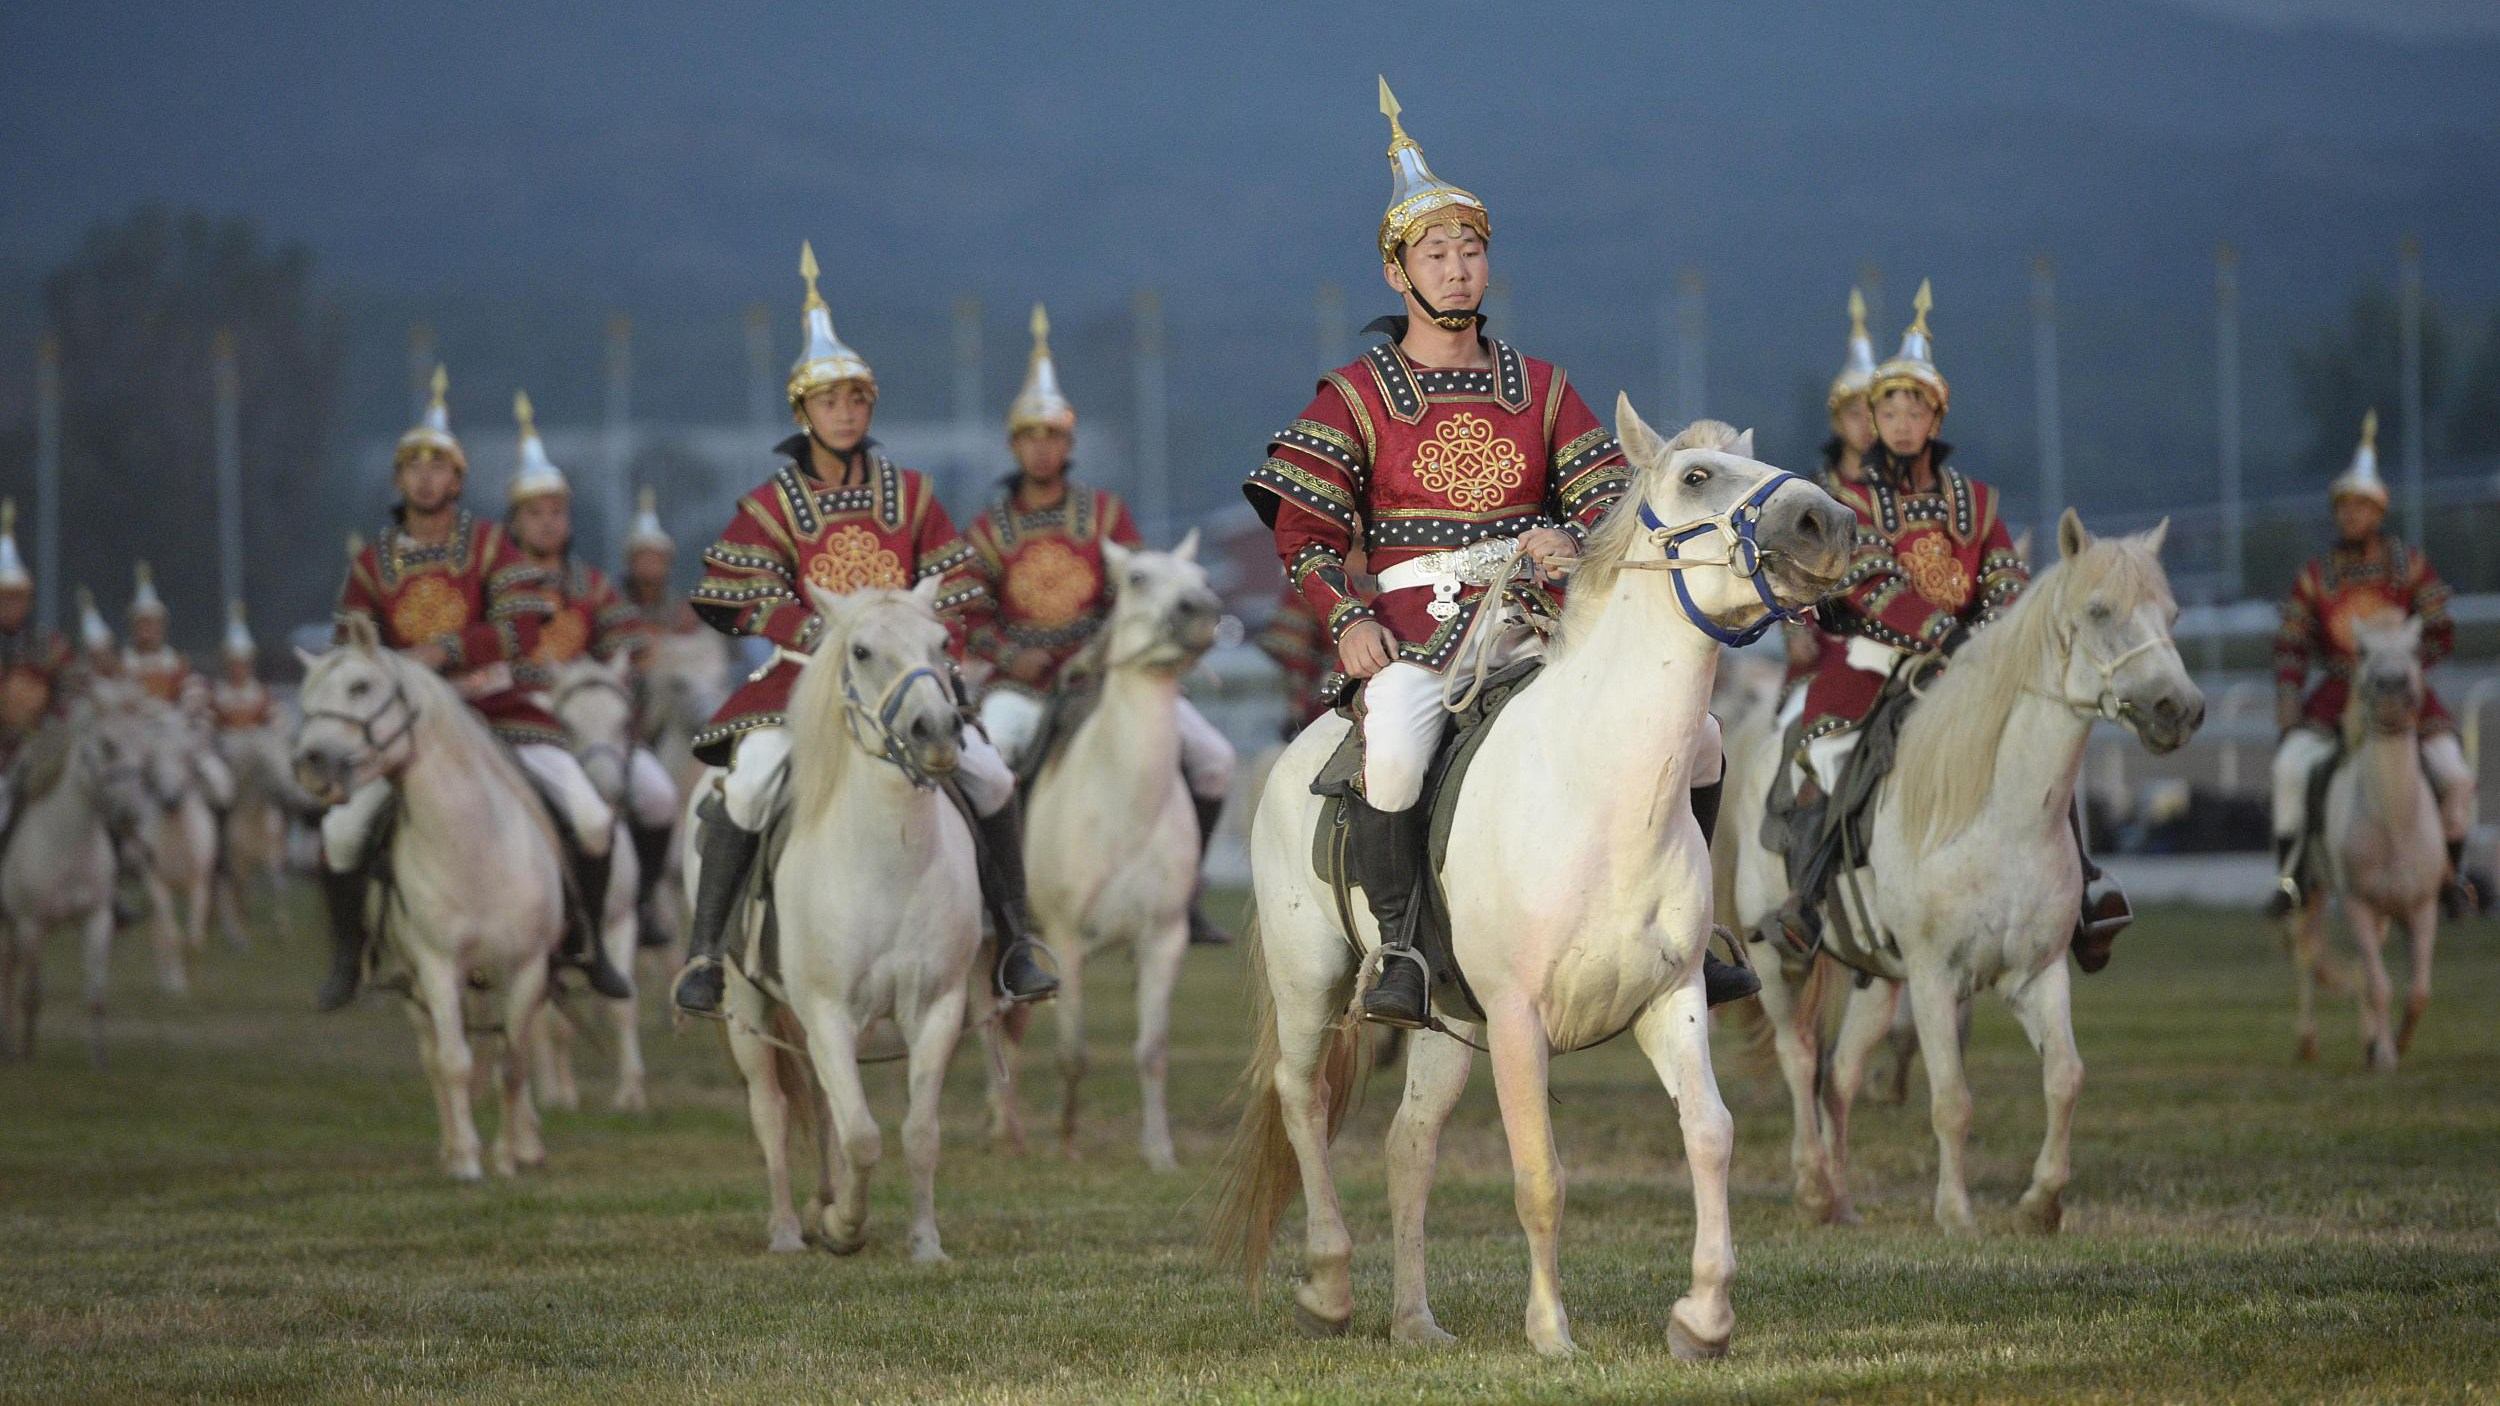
(428, 482)
(147, 633)
(838, 415)
(1448, 266)
(1906, 422)
(1854, 424)
(2357, 518)
(544, 524)
(1042, 452)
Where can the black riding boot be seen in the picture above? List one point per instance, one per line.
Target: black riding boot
(1202, 930)
(1019, 977)
(1387, 847)
(2106, 912)
(2457, 898)
(344, 894)
(1721, 982)
(2286, 895)
(651, 862)
(727, 852)
(1799, 921)
(583, 945)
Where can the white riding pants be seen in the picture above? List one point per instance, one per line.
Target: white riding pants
(759, 773)
(348, 826)
(2304, 749)
(1013, 719)
(650, 793)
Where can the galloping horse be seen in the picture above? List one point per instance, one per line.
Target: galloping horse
(476, 888)
(79, 786)
(1110, 839)
(1578, 886)
(2383, 849)
(1972, 880)
(265, 800)
(592, 700)
(879, 914)
(179, 837)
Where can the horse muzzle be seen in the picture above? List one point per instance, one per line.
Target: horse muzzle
(1805, 541)
(2166, 724)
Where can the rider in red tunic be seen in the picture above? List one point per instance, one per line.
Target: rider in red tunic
(840, 516)
(454, 593)
(1435, 451)
(238, 701)
(1810, 646)
(2369, 572)
(1039, 549)
(35, 663)
(164, 674)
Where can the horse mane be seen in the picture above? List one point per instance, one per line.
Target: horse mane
(1611, 541)
(818, 758)
(1944, 766)
(441, 713)
(45, 760)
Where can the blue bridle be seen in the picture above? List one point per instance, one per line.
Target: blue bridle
(1741, 528)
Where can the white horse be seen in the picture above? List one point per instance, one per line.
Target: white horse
(1972, 880)
(78, 785)
(1578, 887)
(682, 677)
(1110, 838)
(179, 838)
(592, 700)
(266, 800)
(477, 873)
(879, 915)
(2383, 851)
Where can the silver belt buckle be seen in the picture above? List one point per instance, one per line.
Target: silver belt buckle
(1444, 603)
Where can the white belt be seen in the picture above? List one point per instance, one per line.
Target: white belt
(1447, 573)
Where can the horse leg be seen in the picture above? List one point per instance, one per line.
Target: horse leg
(172, 976)
(1436, 1074)
(1675, 1033)
(2369, 933)
(1158, 972)
(1520, 1053)
(2044, 1004)
(1002, 1050)
(518, 1139)
(2308, 933)
(1865, 1023)
(834, 1045)
(932, 1049)
(450, 1063)
(1796, 1044)
(12, 1017)
(96, 942)
(1936, 1008)
(768, 1113)
(623, 937)
(1067, 1011)
(551, 1061)
(2422, 925)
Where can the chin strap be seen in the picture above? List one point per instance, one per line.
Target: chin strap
(1446, 321)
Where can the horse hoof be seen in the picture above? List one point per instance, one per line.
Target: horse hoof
(1842, 1215)
(471, 1174)
(629, 1102)
(2308, 1049)
(846, 1244)
(930, 1254)
(1311, 1325)
(786, 1241)
(2043, 1213)
(1162, 1161)
(1420, 1331)
(1689, 1346)
(1556, 1348)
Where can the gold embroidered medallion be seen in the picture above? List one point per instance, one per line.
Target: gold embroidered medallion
(1469, 464)
(854, 560)
(1049, 583)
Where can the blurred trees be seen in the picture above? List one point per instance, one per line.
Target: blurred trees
(137, 309)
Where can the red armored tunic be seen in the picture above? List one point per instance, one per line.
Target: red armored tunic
(1408, 460)
(1924, 562)
(591, 617)
(477, 597)
(1045, 575)
(35, 666)
(241, 707)
(2332, 596)
(886, 531)
(668, 615)
(167, 677)
(1296, 640)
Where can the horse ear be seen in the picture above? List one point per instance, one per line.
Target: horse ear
(926, 591)
(2159, 534)
(2413, 633)
(1188, 549)
(357, 630)
(2022, 546)
(1116, 556)
(1743, 447)
(825, 603)
(2071, 536)
(1641, 444)
(306, 658)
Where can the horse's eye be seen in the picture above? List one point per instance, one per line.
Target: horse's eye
(1137, 578)
(109, 752)
(359, 688)
(2099, 612)
(1696, 477)
(860, 653)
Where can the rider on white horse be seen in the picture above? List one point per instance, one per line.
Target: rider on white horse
(1435, 451)
(592, 618)
(1844, 463)
(455, 594)
(1038, 547)
(840, 516)
(161, 670)
(35, 662)
(1935, 562)
(2369, 572)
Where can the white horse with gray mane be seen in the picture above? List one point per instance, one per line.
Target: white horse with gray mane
(179, 836)
(1111, 838)
(476, 893)
(78, 784)
(593, 701)
(879, 915)
(2384, 852)
(1578, 890)
(266, 799)
(1972, 880)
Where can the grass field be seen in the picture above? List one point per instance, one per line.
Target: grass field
(245, 1206)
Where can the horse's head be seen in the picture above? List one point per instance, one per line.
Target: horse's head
(109, 748)
(2111, 601)
(1757, 540)
(1163, 616)
(596, 706)
(2387, 690)
(358, 715)
(170, 740)
(885, 655)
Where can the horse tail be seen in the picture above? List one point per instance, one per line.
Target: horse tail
(795, 1076)
(1260, 1171)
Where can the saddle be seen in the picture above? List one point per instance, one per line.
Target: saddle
(2309, 863)
(1337, 783)
(1841, 823)
(1064, 711)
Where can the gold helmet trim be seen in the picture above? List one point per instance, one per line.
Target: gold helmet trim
(824, 359)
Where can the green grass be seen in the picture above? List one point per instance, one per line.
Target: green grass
(245, 1206)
